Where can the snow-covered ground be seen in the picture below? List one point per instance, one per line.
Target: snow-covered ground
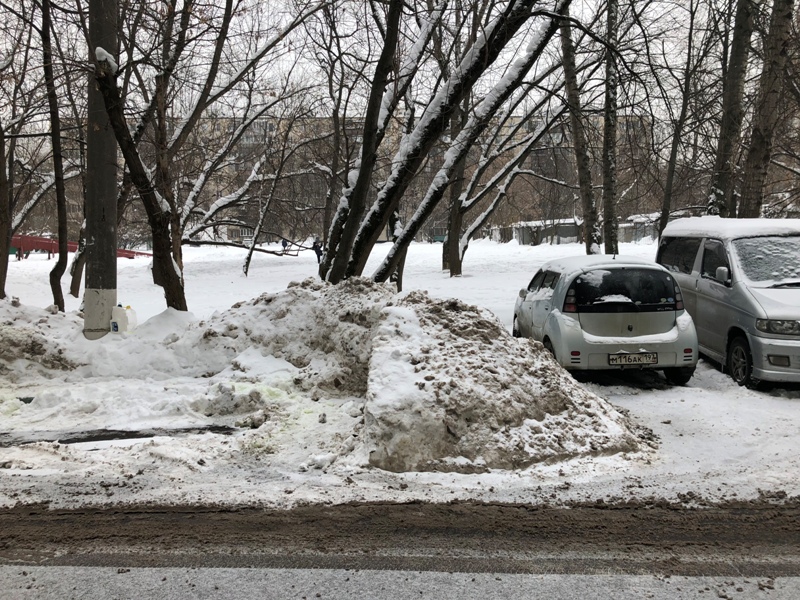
(277, 393)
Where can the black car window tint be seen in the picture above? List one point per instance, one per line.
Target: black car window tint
(678, 254)
(550, 280)
(625, 290)
(536, 282)
(714, 256)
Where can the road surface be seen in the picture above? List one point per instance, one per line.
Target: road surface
(460, 550)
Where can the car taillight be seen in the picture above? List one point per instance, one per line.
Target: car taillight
(569, 302)
(678, 299)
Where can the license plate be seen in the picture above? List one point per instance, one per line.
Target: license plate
(642, 358)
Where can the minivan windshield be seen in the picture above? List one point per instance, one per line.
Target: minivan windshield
(771, 260)
(624, 290)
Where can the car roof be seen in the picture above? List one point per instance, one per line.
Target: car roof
(717, 227)
(576, 264)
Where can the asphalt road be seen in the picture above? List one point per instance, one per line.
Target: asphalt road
(416, 550)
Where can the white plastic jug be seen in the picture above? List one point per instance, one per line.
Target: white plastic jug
(132, 320)
(119, 319)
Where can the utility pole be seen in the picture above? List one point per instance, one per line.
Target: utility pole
(100, 295)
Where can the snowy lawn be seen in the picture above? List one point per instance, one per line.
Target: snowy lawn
(275, 394)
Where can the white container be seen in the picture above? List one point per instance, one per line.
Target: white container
(119, 319)
(132, 321)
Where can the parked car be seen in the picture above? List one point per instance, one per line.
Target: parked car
(609, 312)
(741, 284)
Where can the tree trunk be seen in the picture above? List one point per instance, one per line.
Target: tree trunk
(610, 133)
(669, 184)
(591, 230)
(434, 122)
(357, 199)
(455, 224)
(76, 268)
(58, 163)
(5, 216)
(397, 275)
(721, 200)
(165, 270)
(765, 120)
(456, 219)
(100, 255)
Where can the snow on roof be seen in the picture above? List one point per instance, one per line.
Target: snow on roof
(575, 264)
(715, 226)
(643, 218)
(546, 223)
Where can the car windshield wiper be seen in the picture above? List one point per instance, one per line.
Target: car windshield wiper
(785, 284)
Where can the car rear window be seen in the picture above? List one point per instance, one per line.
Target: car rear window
(625, 290)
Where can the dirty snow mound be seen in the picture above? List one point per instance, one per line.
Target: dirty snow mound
(25, 342)
(450, 389)
(323, 330)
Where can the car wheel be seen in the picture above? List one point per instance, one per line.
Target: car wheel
(548, 345)
(515, 329)
(679, 375)
(740, 363)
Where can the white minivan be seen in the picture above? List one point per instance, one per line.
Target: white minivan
(740, 280)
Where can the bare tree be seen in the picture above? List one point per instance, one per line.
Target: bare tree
(5, 215)
(610, 131)
(721, 199)
(498, 31)
(767, 110)
(58, 164)
(196, 28)
(26, 175)
(592, 237)
(685, 80)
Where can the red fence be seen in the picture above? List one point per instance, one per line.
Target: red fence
(26, 243)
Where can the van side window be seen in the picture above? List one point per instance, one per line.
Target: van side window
(678, 254)
(714, 256)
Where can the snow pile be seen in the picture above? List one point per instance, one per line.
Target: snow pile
(398, 382)
(450, 389)
(25, 344)
(323, 331)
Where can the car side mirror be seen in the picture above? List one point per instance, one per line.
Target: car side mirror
(523, 293)
(723, 274)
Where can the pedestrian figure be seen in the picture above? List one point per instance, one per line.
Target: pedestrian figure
(317, 248)
(285, 244)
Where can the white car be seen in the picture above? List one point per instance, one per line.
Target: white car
(609, 312)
